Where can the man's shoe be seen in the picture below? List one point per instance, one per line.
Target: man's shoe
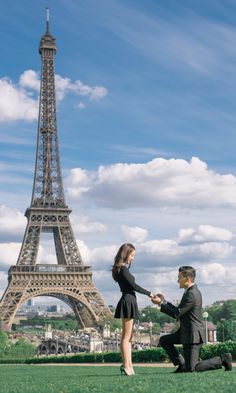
(180, 362)
(226, 359)
(180, 369)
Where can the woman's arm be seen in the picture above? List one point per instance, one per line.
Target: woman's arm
(131, 281)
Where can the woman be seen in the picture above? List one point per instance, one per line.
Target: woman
(127, 307)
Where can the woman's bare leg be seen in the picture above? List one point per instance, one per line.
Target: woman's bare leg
(126, 344)
(131, 339)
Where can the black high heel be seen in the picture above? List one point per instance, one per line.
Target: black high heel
(123, 371)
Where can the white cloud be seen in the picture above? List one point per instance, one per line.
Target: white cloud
(78, 182)
(186, 234)
(3, 278)
(3, 283)
(15, 103)
(82, 225)
(134, 234)
(84, 252)
(100, 258)
(204, 233)
(157, 251)
(81, 105)
(103, 257)
(185, 249)
(12, 222)
(211, 250)
(213, 273)
(65, 85)
(30, 80)
(157, 182)
(46, 253)
(18, 101)
(164, 247)
(94, 93)
(62, 86)
(8, 254)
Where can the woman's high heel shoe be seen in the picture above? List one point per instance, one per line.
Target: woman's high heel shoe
(124, 371)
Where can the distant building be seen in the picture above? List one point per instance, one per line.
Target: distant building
(212, 332)
(95, 343)
(54, 308)
(30, 303)
(48, 332)
(20, 317)
(106, 331)
(167, 328)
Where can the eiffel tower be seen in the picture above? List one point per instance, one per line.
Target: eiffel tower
(69, 280)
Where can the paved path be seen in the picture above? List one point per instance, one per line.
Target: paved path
(109, 364)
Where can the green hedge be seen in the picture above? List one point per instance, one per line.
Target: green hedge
(150, 355)
(144, 356)
(12, 360)
(208, 351)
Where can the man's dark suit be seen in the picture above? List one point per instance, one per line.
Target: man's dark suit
(191, 332)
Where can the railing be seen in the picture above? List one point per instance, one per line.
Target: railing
(48, 269)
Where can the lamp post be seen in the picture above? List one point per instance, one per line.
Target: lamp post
(150, 330)
(205, 316)
(222, 320)
(116, 336)
(233, 331)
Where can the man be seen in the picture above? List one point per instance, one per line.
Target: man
(191, 332)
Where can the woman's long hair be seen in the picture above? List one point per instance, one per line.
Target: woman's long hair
(121, 258)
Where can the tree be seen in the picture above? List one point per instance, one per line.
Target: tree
(3, 342)
(230, 309)
(110, 320)
(153, 314)
(223, 309)
(216, 312)
(156, 328)
(21, 349)
(226, 330)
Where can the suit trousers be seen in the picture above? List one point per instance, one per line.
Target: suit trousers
(190, 352)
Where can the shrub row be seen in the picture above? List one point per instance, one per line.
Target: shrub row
(209, 350)
(144, 356)
(6, 360)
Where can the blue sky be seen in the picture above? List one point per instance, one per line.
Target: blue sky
(146, 95)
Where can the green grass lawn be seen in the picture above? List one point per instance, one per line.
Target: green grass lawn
(99, 379)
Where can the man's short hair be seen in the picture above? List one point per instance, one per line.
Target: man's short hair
(188, 271)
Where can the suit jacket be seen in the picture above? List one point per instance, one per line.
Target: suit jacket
(188, 313)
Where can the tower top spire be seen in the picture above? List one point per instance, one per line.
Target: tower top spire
(47, 41)
(47, 19)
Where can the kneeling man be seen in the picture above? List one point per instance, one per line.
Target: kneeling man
(191, 332)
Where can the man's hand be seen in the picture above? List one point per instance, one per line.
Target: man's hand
(163, 300)
(158, 299)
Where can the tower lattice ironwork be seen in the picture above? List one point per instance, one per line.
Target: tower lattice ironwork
(69, 280)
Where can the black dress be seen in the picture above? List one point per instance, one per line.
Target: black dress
(127, 306)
